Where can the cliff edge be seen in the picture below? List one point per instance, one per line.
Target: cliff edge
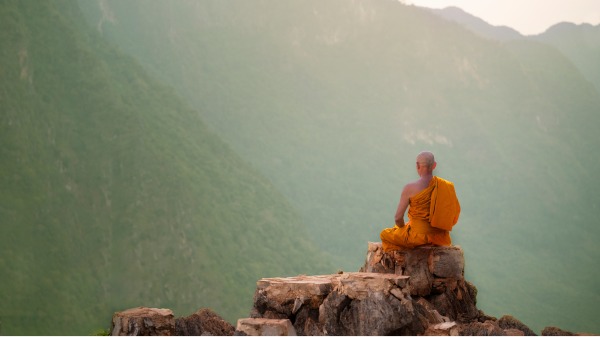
(414, 292)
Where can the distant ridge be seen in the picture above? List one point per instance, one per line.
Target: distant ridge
(580, 43)
(476, 24)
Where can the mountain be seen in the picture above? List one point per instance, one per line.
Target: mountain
(475, 24)
(114, 192)
(332, 100)
(580, 43)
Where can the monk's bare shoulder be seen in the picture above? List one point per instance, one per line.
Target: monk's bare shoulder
(411, 188)
(414, 187)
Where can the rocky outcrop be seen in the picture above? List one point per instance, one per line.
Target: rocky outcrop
(143, 321)
(508, 322)
(436, 274)
(414, 292)
(337, 304)
(203, 322)
(554, 331)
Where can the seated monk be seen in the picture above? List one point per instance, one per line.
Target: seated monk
(434, 209)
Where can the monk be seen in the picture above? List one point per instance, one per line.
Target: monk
(434, 209)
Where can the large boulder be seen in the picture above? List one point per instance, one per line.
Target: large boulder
(436, 274)
(430, 268)
(342, 304)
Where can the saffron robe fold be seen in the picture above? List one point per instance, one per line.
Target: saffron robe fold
(443, 207)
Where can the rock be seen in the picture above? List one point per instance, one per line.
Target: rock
(203, 322)
(378, 312)
(338, 304)
(509, 322)
(401, 292)
(476, 328)
(265, 327)
(433, 315)
(426, 265)
(435, 272)
(458, 301)
(483, 317)
(554, 331)
(442, 329)
(413, 292)
(284, 297)
(143, 321)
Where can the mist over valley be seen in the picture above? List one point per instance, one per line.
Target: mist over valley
(171, 153)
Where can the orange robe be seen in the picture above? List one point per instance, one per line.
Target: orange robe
(418, 231)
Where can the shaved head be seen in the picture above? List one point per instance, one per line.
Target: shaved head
(426, 158)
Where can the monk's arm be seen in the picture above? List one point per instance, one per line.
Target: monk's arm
(402, 206)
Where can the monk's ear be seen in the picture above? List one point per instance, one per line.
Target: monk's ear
(433, 166)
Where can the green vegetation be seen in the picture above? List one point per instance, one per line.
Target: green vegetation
(114, 193)
(580, 43)
(101, 332)
(331, 100)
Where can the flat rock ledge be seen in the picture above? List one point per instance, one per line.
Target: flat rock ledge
(337, 304)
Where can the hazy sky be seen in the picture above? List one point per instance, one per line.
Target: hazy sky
(526, 16)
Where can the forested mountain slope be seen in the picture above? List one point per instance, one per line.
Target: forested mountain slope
(332, 100)
(114, 193)
(578, 42)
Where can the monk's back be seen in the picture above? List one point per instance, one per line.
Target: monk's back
(420, 201)
(418, 186)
